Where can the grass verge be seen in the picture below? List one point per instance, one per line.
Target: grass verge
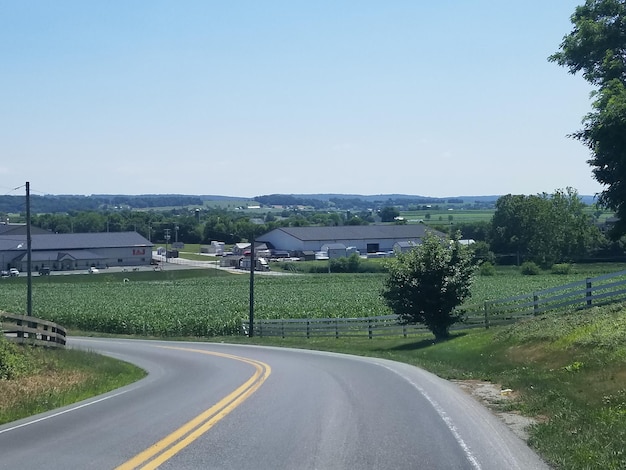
(34, 379)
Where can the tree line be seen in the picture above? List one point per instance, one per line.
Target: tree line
(543, 228)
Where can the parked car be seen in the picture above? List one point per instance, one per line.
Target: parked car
(4, 274)
(44, 271)
(14, 272)
(93, 270)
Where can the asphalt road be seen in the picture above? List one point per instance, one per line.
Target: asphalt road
(220, 406)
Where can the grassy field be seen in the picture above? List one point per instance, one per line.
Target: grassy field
(455, 213)
(448, 215)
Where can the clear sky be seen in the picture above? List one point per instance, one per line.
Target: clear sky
(247, 97)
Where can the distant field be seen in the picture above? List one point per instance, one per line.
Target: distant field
(449, 214)
(446, 216)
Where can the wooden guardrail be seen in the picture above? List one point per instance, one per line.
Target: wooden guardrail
(31, 330)
(609, 288)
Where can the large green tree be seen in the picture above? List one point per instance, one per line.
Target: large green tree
(426, 284)
(544, 228)
(596, 47)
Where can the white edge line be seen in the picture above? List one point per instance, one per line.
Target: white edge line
(59, 413)
(443, 415)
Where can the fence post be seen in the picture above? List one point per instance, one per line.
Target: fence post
(20, 333)
(308, 329)
(369, 328)
(588, 292)
(282, 328)
(535, 304)
(486, 308)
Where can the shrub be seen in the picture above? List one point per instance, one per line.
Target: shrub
(529, 268)
(345, 265)
(12, 363)
(562, 268)
(487, 269)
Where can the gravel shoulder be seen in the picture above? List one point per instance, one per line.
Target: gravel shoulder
(498, 400)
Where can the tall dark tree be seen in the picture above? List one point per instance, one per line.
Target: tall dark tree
(596, 47)
(388, 214)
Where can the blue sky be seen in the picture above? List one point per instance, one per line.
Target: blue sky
(246, 98)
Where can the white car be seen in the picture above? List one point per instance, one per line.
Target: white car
(93, 270)
(14, 272)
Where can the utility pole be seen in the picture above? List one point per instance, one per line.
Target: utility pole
(252, 267)
(29, 273)
(167, 241)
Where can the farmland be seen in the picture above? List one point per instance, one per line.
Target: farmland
(206, 303)
(567, 370)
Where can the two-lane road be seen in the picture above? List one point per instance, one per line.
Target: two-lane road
(220, 406)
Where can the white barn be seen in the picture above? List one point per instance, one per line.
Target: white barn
(365, 238)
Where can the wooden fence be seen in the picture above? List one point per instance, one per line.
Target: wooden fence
(589, 292)
(31, 330)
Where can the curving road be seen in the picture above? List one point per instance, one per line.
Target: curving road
(221, 406)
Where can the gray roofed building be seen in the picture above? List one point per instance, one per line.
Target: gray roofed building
(18, 229)
(70, 251)
(403, 247)
(366, 238)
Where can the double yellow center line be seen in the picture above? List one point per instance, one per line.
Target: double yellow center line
(170, 445)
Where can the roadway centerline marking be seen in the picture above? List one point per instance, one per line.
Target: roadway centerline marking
(173, 443)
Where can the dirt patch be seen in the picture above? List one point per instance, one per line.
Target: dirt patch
(497, 399)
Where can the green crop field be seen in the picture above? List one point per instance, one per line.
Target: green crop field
(206, 303)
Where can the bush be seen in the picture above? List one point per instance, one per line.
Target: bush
(529, 268)
(345, 265)
(562, 268)
(487, 269)
(12, 363)
(353, 264)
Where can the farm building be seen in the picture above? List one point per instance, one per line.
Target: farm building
(364, 238)
(18, 229)
(335, 250)
(403, 247)
(71, 251)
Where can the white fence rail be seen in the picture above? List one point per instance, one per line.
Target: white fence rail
(601, 290)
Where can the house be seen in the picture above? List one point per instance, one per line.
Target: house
(364, 238)
(70, 251)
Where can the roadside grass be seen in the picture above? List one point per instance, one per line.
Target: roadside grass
(568, 371)
(52, 378)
